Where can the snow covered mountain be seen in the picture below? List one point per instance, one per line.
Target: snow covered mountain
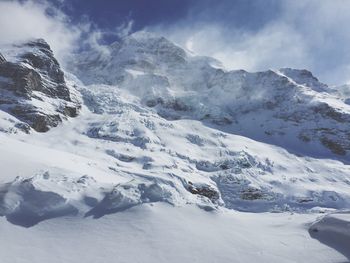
(288, 108)
(155, 124)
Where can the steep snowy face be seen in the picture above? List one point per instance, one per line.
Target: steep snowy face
(148, 66)
(289, 107)
(304, 77)
(33, 88)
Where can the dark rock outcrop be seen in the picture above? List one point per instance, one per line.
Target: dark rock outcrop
(203, 190)
(33, 87)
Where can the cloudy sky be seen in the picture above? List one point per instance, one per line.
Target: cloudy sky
(248, 34)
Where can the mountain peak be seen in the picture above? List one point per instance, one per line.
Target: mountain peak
(304, 77)
(37, 42)
(152, 42)
(144, 35)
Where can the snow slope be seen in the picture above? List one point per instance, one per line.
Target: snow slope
(161, 233)
(168, 153)
(334, 231)
(126, 150)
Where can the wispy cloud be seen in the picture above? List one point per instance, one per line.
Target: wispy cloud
(21, 21)
(309, 34)
(305, 34)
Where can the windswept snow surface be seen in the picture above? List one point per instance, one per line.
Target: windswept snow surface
(160, 233)
(173, 160)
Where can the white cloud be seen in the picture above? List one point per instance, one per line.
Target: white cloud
(38, 19)
(243, 50)
(307, 34)
(125, 28)
(21, 21)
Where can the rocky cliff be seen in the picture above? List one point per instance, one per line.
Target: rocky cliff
(33, 88)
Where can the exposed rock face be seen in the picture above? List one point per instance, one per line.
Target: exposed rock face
(33, 88)
(204, 190)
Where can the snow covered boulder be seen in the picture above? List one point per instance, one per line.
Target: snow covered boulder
(23, 202)
(125, 196)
